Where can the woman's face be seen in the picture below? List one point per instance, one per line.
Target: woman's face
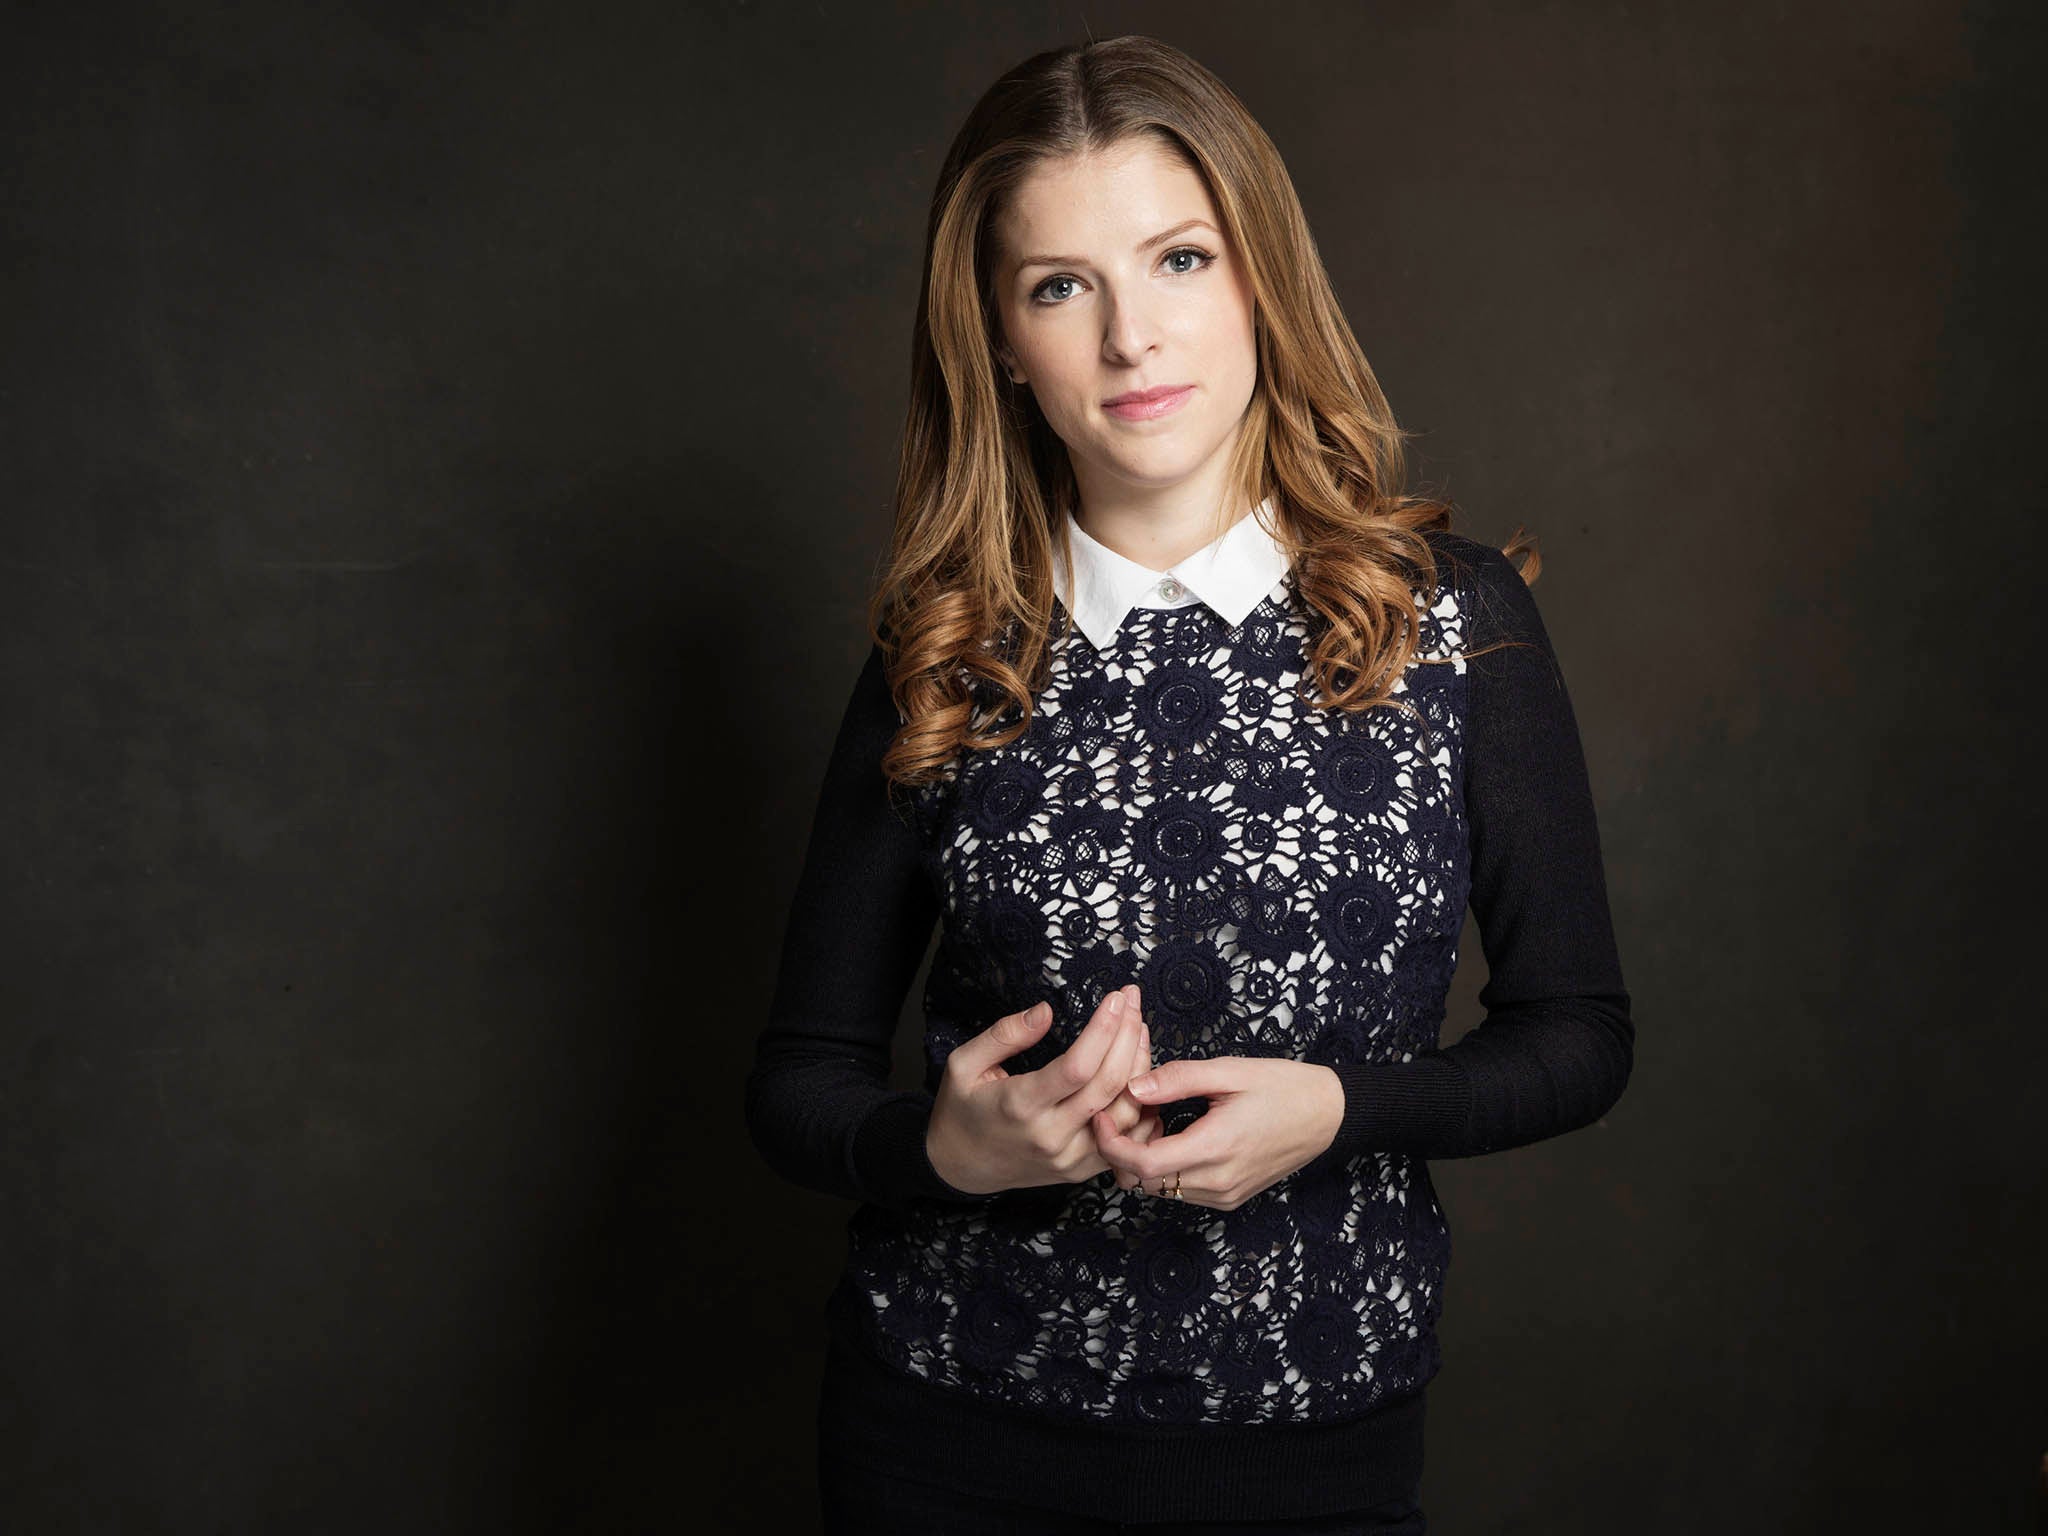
(1114, 276)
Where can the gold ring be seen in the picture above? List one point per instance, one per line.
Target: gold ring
(1176, 1187)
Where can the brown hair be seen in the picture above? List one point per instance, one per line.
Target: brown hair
(963, 607)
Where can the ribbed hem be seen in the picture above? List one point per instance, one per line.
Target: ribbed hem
(878, 1417)
(1418, 1106)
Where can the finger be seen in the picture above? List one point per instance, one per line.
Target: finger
(1148, 1126)
(1141, 1063)
(1123, 1108)
(1190, 1078)
(1187, 1152)
(1074, 1068)
(1139, 1057)
(1101, 1090)
(1001, 1040)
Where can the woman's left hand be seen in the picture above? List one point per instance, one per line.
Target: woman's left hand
(1267, 1117)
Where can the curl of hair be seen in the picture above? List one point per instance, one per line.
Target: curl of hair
(963, 605)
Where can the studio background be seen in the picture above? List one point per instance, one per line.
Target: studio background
(446, 449)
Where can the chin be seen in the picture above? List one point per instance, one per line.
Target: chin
(1159, 476)
(1169, 458)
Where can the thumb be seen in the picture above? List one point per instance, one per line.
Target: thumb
(1187, 1078)
(1004, 1038)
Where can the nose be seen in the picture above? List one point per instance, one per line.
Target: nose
(1128, 333)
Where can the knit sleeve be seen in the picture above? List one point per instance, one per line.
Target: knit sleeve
(818, 1102)
(1556, 1043)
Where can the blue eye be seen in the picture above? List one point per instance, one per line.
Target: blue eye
(1202, 257)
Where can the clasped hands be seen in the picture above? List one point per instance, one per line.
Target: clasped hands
(1089, 1109)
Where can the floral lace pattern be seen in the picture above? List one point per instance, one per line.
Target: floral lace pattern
(1280, 880)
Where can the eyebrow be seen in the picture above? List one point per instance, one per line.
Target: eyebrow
(1143, 245)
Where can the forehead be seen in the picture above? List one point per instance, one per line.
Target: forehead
(1109, 198)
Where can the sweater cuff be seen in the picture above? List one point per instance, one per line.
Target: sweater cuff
(1418, 1107)
(890, 1164)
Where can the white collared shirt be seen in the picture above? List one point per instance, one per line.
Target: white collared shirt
(1232, 574)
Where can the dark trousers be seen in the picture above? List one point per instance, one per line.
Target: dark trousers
(858, 1500)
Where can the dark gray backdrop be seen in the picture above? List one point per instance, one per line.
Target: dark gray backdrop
(445, 451)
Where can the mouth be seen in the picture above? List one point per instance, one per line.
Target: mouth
(1146, 404)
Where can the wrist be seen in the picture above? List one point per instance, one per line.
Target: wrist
(938, 1156)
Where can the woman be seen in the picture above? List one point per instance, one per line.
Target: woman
(1195, 736)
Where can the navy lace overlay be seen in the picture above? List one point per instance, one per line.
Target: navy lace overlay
(1280, 880)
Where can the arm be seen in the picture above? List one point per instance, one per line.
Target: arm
(1556, 1045)
(818, 1103)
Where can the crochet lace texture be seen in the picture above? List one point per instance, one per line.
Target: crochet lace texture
(1280, 880)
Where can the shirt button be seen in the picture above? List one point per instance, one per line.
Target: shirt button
(1171, 589)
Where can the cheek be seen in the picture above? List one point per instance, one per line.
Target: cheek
(1224, 333)
(1234, 318)
(1240, 345)
(1065, 370)
(1061, 388)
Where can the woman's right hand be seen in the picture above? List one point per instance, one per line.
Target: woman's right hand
(992, 1130)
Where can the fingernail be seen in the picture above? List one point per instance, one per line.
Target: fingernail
(1116, 1002)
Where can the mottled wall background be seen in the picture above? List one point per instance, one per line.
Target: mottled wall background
(424, 431)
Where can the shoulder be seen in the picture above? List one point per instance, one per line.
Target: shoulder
(871, 713)
(871, 683)
(1465, 563)
(1486, 585)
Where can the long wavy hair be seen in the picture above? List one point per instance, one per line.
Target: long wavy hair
(963, 606)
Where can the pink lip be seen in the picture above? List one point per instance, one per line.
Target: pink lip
(1146, 405)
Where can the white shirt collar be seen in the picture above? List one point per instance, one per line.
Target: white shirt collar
(1232, 574)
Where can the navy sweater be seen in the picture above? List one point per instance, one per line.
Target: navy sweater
(1280, 881)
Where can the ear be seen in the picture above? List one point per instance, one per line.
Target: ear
(1009, 361)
